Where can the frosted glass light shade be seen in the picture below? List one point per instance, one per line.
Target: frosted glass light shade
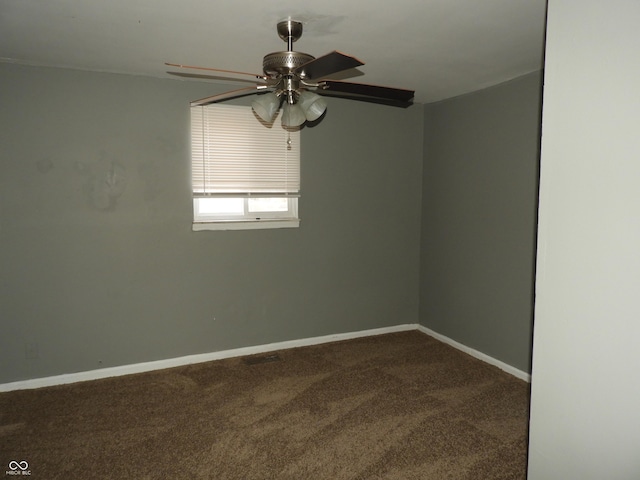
(266, 106)
(312, 105)
(292, 115)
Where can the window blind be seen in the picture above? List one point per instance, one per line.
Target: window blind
(233, 152)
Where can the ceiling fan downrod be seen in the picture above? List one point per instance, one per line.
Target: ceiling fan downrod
(289, 31)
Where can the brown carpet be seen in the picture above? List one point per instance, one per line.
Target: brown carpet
(400, 406)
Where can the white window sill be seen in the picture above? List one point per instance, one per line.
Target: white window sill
(240, 225)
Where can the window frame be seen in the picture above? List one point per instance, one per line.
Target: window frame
(214, 148)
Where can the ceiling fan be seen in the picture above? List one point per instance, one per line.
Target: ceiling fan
(291, 78)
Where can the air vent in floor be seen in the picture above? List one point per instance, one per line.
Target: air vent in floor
(258, 359)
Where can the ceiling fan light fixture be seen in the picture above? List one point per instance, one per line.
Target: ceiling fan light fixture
(266, 106)
(312, 104)
(292, 115)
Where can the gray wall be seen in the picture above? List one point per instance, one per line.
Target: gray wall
(99, 266)
(478, 218)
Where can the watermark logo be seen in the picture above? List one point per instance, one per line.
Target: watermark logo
(18, 468)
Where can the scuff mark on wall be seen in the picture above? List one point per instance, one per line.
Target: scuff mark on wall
(106, 182)
(107, 185)
(44, 165)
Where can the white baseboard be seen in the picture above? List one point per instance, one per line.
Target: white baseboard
(190, 359)
(477, 354)
(238, 352)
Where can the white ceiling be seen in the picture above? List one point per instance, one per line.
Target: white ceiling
(439, 48)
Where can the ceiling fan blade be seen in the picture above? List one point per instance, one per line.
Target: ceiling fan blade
(204, 76)
(363, 98)
(375, 91)
(327, 64)
(240, 92)
(254, 75)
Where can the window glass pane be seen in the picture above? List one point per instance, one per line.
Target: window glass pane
(272, 204)
(221, 206)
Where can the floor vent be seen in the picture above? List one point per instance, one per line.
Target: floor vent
(258, 359)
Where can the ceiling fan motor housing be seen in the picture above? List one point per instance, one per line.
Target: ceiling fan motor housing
(284, 63)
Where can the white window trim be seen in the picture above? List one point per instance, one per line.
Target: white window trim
(240, 225)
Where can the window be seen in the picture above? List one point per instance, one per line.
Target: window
(245, 173)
